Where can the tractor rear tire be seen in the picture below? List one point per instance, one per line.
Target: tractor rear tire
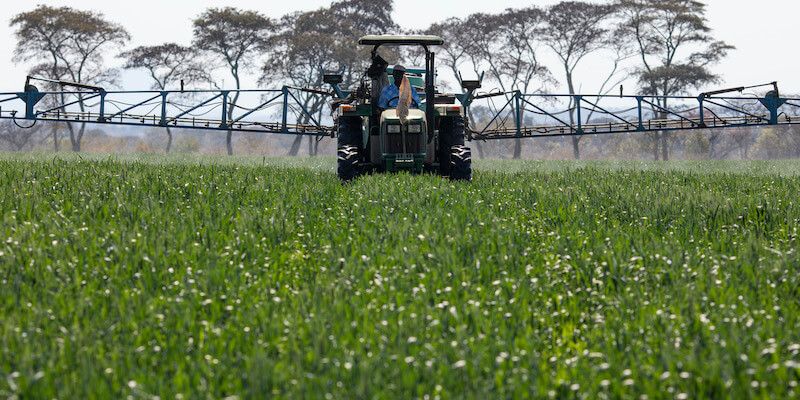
(451, 133)
(460, 163)
(349, 132)
(349, 143)
(347, 163)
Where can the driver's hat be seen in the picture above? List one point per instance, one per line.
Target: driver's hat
(398, 68)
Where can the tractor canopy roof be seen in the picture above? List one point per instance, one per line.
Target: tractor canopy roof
(401, 40)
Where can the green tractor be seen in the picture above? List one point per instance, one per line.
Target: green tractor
(371, 139)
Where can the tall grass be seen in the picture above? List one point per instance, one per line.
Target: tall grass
(210, 277)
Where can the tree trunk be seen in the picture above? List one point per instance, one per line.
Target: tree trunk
(72, 137)
(573, 105)
(169, 140)
(656, 140)
(479, 147)
(517, 148)
(231, 107)
(576, 149)
(295, 146)
(663, 135)
(55, 137)
(76, 139)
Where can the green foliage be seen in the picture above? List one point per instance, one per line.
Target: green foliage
(67, 43)
(187, 145)
(697, 146)
(674, 44)
(235, 37)
(326, 38)
(211, 277)
(575, 29)
(676, 51)
(775, 143)
(232, 35)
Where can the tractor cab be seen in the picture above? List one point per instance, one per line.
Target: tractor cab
(374, 139)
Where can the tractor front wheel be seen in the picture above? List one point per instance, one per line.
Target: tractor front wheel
(451, 133)
(349, 145)
(347, 164)
(460, 163)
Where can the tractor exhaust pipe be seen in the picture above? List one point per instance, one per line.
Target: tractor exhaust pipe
(430, 109)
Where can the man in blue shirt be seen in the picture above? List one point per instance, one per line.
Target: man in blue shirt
(391, 93)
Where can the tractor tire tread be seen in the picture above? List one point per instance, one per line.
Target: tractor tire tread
(347, 163)
(460, 163)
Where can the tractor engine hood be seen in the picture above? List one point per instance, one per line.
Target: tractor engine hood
(414, 115)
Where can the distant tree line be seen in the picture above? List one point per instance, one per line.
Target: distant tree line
(665, 44)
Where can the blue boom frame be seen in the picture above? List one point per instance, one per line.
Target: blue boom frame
(776, 111)
(95, 105)
(165, 109)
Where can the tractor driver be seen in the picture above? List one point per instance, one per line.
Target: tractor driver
(391, 94)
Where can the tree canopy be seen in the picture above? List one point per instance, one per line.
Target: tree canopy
(324, 39)
(167, 64)
(675, 48)
(64, 43)
(234, 37)
(573, 30)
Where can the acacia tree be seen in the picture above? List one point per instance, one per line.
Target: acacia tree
(575, 29)
(503, 45)
(675, 48)
(506, 45)
(454, 53)
(520, 66)
(235, 38)
(68, 44)
(167, 64)
(326, 38)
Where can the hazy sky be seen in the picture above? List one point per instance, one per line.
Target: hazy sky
(762, 31)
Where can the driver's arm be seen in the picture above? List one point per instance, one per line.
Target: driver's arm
(415, 96)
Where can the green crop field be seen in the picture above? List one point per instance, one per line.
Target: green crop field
(212, 277)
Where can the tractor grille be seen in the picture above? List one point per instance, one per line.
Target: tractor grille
(415, 143)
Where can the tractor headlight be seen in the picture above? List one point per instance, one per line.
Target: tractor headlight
(414, 128)
(393, 128)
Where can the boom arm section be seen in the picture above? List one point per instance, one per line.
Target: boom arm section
(289, 110)
(539, 115)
